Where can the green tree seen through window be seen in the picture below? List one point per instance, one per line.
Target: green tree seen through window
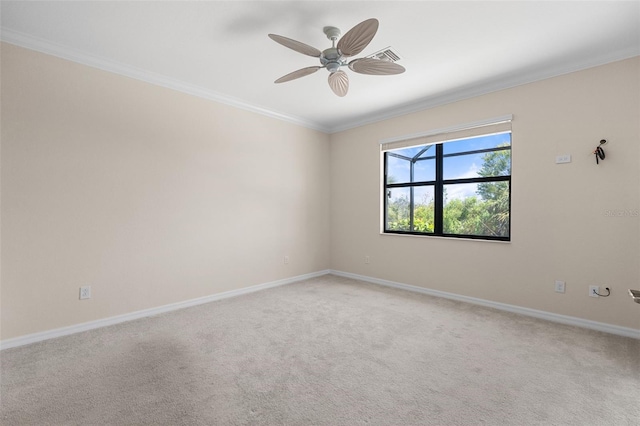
(486, 213)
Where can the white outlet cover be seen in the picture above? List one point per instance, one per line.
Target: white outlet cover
(560, 286)
(85, 292)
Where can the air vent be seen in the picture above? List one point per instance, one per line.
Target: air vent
(386, 54)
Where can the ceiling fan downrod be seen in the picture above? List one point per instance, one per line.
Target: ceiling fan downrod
(331, 58)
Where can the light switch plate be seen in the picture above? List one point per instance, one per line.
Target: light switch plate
(562, 159)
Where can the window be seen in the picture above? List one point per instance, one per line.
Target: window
(450, 184)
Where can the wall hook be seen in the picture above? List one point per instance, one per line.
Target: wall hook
(599, 152)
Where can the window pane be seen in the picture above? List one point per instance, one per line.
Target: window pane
(423, 211)
(496, 163)
(410, 152)
(424, 171)
(426, 151)
(481, 142)
(398, 209)
(397, 170)
(477, 209)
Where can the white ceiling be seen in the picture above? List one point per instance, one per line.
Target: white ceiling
(220, 49)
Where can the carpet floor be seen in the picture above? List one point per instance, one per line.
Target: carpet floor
(326, 351)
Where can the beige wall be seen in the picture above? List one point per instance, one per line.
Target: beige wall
(152, 197)
(148, 195)
(560, 227)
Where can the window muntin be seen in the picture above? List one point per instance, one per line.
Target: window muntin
(460, 188)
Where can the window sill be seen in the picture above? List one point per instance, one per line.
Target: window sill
(481, 240)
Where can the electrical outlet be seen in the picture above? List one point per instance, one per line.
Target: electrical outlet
(594, 290)
(562, 159)
(559, 286)
(85, 292)
(286, 260)
(367, 260)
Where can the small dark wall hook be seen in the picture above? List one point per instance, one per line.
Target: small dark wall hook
(599, 152)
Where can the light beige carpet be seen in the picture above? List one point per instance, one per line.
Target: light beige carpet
(327, 351)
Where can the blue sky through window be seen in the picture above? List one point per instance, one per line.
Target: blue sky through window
(456, 167)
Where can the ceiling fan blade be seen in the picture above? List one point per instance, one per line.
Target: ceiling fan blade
(375, 67)
(339, 83)
(296, 45)
(297, 74)
(358, 37)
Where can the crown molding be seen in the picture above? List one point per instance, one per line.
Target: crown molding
(459, 94)
(54, 49)
(490, 86)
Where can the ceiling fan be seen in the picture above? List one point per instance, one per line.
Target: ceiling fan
(335, 57)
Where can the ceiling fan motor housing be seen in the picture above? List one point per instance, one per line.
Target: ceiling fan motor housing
(332, 59)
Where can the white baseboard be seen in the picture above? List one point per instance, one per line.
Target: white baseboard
(64, 331)
(563, 319)
(549, 316)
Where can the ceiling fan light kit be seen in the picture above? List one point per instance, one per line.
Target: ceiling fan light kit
(335, 57)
